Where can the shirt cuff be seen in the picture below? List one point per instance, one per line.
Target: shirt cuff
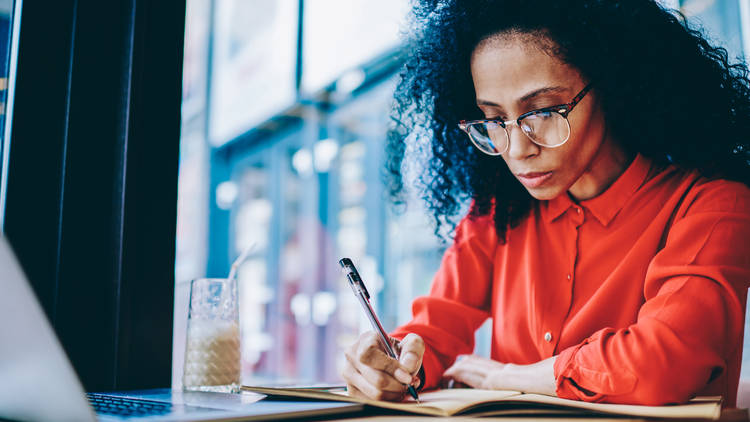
(579, 374)
(565, 371)
(433, 370)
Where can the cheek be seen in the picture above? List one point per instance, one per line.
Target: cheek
(574, 157)
(587, 134)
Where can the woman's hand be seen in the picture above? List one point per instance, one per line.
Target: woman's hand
(479, 372)
(369, 372)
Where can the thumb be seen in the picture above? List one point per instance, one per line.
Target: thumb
(412, 351)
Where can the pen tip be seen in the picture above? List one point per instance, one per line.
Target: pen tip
(413, 393)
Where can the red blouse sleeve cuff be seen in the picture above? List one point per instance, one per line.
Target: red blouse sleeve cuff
(565, 373)
(433, 370)
(580, 376)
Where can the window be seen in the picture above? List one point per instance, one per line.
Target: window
(282, 148)
(722, 21)
(295, 171)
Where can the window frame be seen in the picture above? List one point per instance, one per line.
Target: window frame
(92, 180)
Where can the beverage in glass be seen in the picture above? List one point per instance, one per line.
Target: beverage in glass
(212, 352)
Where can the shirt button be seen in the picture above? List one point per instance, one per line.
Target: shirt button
(569, 277)
(548, 337)
(578, 210)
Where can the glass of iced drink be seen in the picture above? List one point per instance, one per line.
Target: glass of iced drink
(212, 352)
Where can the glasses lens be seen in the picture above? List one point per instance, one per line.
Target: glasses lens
(489, 137)
(546, 128)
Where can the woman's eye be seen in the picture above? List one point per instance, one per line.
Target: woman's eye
(540, 107)
(491, 114)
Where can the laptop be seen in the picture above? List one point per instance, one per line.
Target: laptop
(38, 383)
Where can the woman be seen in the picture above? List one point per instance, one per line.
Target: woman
(607, 167)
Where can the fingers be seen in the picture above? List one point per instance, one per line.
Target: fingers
(355, 392)
(475, 371)
(381, 380)
(369, 371)
(470, 370)
(359, 386)
(370, 352)
(470, 378)
(412, 352)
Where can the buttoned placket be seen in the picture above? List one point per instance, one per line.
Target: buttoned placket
(551, 335)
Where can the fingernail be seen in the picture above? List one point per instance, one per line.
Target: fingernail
(402, 376)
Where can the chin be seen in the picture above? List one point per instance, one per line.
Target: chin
(545, 194)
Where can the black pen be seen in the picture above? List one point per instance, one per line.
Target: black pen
(359, 289)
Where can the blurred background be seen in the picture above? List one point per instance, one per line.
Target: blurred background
(284, 117)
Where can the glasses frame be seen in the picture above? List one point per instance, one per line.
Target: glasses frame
(562, 109)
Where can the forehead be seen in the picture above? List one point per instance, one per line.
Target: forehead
(507, 67)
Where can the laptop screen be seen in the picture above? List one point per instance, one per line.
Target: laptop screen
(36, 380)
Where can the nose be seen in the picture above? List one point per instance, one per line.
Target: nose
(520, 146)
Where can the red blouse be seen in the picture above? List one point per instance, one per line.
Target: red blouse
(640, 291)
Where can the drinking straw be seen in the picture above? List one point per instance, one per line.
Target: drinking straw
(240, 259)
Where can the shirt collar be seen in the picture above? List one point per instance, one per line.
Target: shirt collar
(606, 205)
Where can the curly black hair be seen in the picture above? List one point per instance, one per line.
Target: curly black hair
(665, 91)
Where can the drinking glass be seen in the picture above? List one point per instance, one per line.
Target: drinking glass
(212, 352)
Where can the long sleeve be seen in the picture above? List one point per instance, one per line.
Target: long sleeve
(691, 323)
(459, 299)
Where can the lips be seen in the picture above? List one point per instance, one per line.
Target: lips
(534, 179)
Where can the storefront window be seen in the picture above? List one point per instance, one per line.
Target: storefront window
(287, 155)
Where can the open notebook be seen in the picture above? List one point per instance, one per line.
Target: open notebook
(475, 402)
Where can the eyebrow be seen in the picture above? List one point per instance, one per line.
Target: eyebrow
(530, 95)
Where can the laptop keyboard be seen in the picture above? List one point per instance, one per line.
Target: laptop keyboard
(121, 406)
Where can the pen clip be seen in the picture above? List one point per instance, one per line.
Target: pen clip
(352, 275)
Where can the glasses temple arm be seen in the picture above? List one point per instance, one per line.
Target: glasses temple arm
(577, 99)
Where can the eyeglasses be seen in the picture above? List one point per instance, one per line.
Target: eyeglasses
(548, 127)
